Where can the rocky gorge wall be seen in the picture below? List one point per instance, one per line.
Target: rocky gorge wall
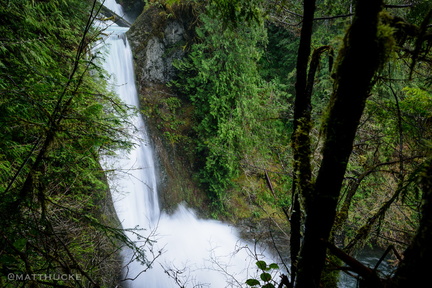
(159, 36)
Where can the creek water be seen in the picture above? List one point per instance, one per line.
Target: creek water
(369, 257)
(187, 251)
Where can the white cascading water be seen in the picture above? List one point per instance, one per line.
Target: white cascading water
(194, 252)
(114, 7)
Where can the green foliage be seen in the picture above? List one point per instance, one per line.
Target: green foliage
(332, 8)
(330, 275)
(235, 12)
(417, 102)
(222, 69)
(57, 118)
(386, 38)
(279, 56)
(234, 109)
(265, 275)
(171, 123)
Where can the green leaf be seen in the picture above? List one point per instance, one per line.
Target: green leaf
(265, 276)
(262, 265)
(252, 282)
(20, 244)
(273, 266)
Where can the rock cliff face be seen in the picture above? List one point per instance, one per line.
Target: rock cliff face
(158, 66)
(132, 8)
(158, 37)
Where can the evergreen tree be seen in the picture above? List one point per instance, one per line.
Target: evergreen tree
(220, 77)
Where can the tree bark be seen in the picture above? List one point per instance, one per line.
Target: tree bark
(359, 60)
(300, 138)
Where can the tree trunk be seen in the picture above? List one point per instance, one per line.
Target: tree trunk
(359, 60)
(300, 139)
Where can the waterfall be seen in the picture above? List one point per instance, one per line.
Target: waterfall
(116, 8)
(193, 252)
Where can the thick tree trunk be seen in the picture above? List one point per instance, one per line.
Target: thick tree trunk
(300, 137)
(302, 105)
(359, 60)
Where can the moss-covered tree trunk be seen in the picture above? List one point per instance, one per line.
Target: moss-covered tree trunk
(358, 62)
(300, 137)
